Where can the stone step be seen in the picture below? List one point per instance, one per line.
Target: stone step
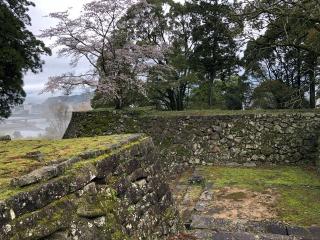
(211, 235)
(209, 224)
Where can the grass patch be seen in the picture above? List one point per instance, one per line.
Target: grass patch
(258, 179)
(300, 206)
(15, 163)
(298, 189)
(150, 111)
(195, 192)
(237, 196)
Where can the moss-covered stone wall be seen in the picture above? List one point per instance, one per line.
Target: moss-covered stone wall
(247, 139)
(117, 193)
(317, 159)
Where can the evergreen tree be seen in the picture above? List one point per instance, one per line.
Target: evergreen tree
(290, 25)
(214, 36)
(167, 25)
(20, 51)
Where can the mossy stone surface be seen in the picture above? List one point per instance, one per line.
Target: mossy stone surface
(15, 163)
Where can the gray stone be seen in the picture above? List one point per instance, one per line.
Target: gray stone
(278, 128)
(138, 175)
(141, 183)
(206, 195)
(263, 158)
(201, 222)
(37, 155)
(230, 137)
(233, 236)
(201, 206)
(100, 222)
(299, 231)
(215, 136)
(217, 129)
(202, 234)
(233, 164)
(196, 180)
(250, 164)
(88, 211)
(315, 232)
(53, 209)
(44, 173)
(276, 237)
(90, 189)
(243, 153)
(276, 228)
(59, 236)
(205, 222)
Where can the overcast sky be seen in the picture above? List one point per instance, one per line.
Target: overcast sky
(54, 65)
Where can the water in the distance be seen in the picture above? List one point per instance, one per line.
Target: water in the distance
(27, 126)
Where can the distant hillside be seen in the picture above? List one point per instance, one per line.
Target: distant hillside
(70, 100)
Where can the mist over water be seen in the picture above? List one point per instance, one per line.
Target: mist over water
(47, 120)
(28, 126)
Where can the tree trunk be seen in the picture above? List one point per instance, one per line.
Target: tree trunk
(311, 64)
(298, 82)
(172, 99)
(312, 92)
(210, 89)
(181, 97)
(299, 69)
(118, 104)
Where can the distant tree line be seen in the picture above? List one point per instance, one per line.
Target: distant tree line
(199, 54)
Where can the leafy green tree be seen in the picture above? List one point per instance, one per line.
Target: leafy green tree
(235, 92)
(266, 62)
(274, 95)
(133, 98)
(165, 24)
(20, 52)
(298, 19)
(195, 40)
(215, 52)
(169, 84)
(292, 25)
(228, 94)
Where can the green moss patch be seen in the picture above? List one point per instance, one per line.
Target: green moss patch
(45, 221)
(95, 160)
(237, 196)
(149, 111)
(14, 161)
(299, 205)
(258, 179)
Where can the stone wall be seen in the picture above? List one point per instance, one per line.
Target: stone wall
(226, 139)
(114, 194)
(318, 157)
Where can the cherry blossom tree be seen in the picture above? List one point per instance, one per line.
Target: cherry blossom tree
(97, 35)
(168, 25)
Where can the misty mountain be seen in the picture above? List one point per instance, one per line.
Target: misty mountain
(69, 100)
